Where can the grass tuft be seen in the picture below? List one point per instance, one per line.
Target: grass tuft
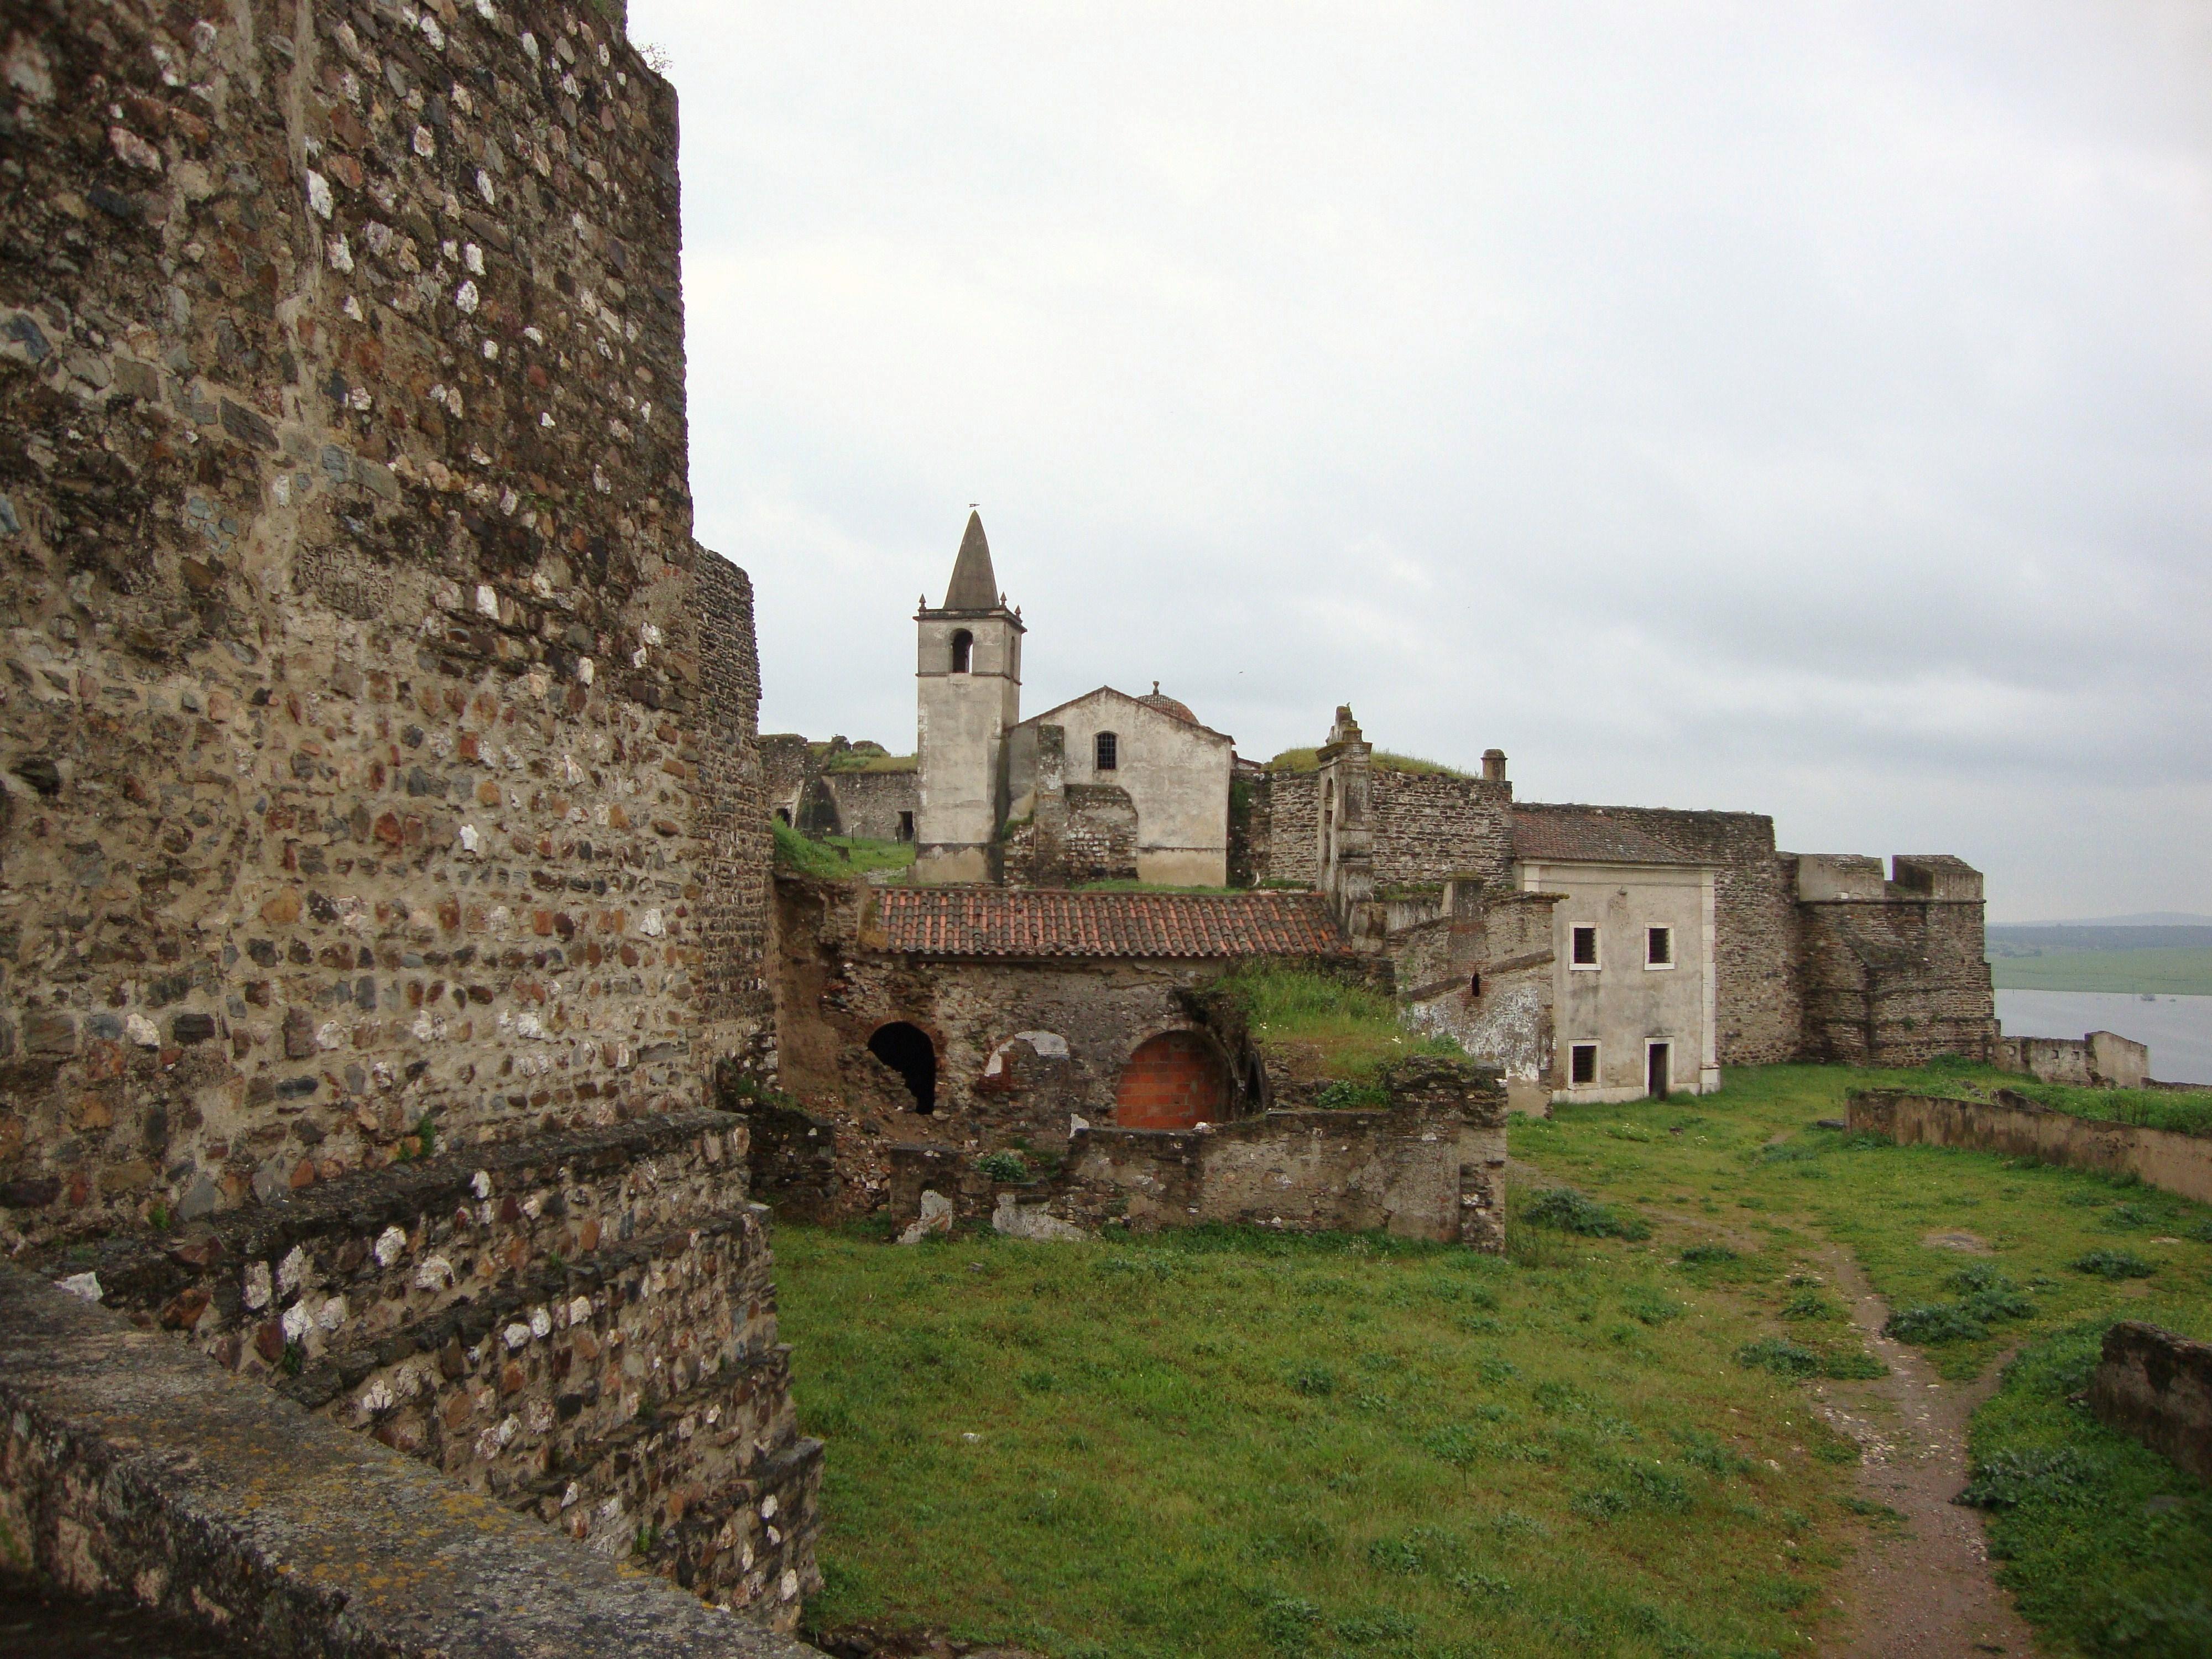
(1570, 1212)
(2113, 1264)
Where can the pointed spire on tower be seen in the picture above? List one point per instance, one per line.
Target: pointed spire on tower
(975, 587)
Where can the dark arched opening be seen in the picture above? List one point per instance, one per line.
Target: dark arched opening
(908, 1050)
(1173, 1082)
(964, 650)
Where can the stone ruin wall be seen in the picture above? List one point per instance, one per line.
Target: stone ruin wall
(361, 759)
(1427, 828)
(1085, 832)
(1285, 829)
(1023, 1048)
(869, 803)
(808, 796)
(581, 1325)
(1429, 1165)
(378, 747)
(1503, 943)
(786, 766)
(1897, 974)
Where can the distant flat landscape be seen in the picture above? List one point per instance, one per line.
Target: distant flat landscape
(2168, 973)
(2170, 954)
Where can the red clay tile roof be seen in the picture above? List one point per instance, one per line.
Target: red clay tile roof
(1586, 835)
(991, 921)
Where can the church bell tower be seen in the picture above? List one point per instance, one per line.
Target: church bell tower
(968, 696)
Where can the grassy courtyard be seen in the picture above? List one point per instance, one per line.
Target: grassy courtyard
(1239, 1444)
(838, 858)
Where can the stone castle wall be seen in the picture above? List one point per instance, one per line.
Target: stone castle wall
(1895, 982)
(1286, 829)
(363, 674)
(379, 750)
(133, 1468)
(1427, 828)
(873, 806)
(869, 804)
(1880, 978)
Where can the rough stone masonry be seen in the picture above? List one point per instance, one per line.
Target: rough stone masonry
(378, 747)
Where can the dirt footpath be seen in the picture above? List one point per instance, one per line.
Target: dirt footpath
(1921, 1588)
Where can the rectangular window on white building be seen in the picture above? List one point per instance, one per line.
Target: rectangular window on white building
(1582, 953)
(1582, 1064)
(1658, 947)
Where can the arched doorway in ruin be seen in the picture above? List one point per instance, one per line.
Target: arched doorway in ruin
(1173, 1081)
(907, 1050)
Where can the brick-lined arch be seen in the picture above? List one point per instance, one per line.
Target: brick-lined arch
(1175, 1080)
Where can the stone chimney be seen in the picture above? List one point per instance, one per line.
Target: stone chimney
(1493, 765)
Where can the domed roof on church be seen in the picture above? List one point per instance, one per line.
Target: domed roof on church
(1168, 705)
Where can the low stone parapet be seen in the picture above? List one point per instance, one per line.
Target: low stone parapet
(131, 1464)
(1429, 1165)
(2157, 1387)
(2017, 1127)
(2100, 1060)
(581, 1325)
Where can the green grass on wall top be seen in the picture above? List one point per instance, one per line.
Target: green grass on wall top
(838, 858)
(2183, 1111)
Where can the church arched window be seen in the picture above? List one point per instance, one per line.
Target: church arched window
(964, 650)
(1109, 748)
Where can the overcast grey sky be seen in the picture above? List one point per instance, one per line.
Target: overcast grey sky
(1805, 409)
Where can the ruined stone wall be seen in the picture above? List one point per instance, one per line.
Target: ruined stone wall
(1895, 982)
(2013, 1125)
(1429, 1165)
(1430, 827)
(2156, 1387)
(1286, 829)
(807, 795)
(133, 1468)
(870, 804)
(1021, 1049)
(728, 887)
(786, 765)
(1484, 976)
(377, 748)
(581, 1325)
(358, 651)
(2101, 1058)
(1427, 827)
(1102, 834)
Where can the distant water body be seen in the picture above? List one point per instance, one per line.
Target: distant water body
(2177, 1028)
